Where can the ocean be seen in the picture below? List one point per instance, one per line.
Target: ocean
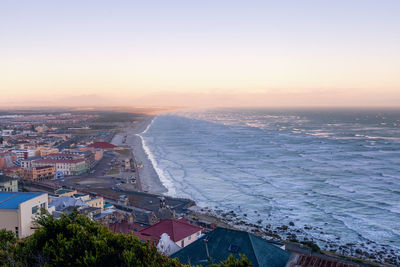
(335, 170)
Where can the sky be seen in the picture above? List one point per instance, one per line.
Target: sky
(200, 53)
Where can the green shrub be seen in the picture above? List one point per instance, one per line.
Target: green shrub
(75, 240)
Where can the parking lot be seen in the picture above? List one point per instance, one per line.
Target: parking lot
(109, 172)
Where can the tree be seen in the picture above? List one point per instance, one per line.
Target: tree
(231, 261)
(75, 240)
(7, 247)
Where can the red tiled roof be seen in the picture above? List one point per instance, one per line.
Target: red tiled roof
(176, 229)
(102, 145)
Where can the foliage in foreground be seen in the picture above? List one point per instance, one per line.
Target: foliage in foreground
(75, 240)
(233, 262)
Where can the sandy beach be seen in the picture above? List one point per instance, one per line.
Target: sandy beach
(148, 176)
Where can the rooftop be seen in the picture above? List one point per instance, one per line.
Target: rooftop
(12, 200)
(63, 191)
(176, 229)
(102, 145)
(222, 242)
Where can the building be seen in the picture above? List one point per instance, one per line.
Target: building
(8, 184)
(88, 155)
(217, 245)
(63, 166)
(97, 202)
(44, 151)
(18, 210)
(65, 192)
(68, 200)
(14, 171)
(40, 173)
(27, 163)
(24, 153)
(181, 232)
(6, 159)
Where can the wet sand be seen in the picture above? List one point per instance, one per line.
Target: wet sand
(148, 176)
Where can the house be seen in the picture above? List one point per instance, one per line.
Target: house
(166, 246)
(217, 245)
(68, 200)
(8, 184)
(18, 210)
(181, 232)
(61, 203)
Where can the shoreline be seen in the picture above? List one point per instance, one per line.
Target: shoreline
(149, 179)
(152, 183)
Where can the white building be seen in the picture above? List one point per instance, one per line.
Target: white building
(23, 153)
(18, 210)
(8, 184)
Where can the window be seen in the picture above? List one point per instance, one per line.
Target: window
(34, 209)
(43, 205)
(16, 231)
(183, 243)
(190, 237)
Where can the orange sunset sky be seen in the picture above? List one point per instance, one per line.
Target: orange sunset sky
(200, 53)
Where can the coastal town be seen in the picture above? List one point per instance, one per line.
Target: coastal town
(93, 162)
